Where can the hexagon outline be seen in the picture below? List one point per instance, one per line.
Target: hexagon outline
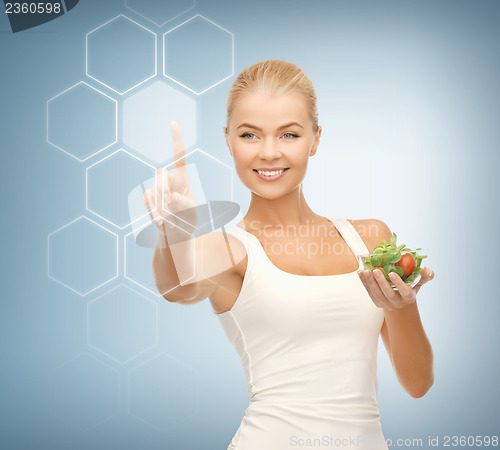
(64, 284)
(157, 294)
(87, 54)
(126, 142)
(156, 23)
(176, 423)
(87, 184)
(107, 354)
(213, 85)
(64, 363)
(116, 121)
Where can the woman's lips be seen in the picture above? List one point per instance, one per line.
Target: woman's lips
(271, 177)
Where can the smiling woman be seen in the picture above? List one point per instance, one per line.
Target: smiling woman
(286, 283)
(271, 137)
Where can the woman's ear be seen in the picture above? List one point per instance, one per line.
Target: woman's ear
(315, 145)
(226, 135)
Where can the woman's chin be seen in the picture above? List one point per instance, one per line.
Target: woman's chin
(271, 192)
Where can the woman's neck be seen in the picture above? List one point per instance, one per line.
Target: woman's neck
(290, 209)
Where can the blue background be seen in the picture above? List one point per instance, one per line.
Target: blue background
(409, 103)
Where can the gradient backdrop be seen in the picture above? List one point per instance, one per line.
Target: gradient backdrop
(409, 103)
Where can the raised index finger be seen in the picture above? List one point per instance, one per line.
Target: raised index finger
(178, 146)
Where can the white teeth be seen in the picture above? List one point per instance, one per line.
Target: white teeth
(269, 174)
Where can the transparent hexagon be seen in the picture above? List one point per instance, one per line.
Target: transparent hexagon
(146, 117)
(122, 324)
(110, 182)
(164, 392)
(157, 12)
(84, 391)
(81, 121)
(137, 262)
(121, 54)
(211, 54)
(82, 255)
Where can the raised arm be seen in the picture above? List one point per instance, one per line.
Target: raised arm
(186, 268)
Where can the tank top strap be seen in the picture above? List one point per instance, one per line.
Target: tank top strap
(240, 233)
(351, 236)
(248, 240)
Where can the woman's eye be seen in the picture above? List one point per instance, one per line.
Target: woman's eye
(290, 135)
(247, 135)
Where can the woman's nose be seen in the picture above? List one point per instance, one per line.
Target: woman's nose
(269, 149)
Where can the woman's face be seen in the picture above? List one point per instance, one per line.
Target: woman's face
(271, 133)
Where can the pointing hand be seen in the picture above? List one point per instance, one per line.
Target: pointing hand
(172, 193)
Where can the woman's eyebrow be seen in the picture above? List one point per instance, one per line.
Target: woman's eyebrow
(260, 129)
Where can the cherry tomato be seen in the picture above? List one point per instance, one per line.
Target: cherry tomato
(407, 263)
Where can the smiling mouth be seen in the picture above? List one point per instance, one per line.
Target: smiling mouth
(271, 172)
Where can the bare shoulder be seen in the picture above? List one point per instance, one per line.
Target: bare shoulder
(372, 231)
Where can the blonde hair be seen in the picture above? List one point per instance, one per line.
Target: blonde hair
(276, 77)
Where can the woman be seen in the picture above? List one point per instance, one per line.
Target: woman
(286, 283)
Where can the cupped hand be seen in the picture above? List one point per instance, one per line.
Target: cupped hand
(382, 293)
(171, 197)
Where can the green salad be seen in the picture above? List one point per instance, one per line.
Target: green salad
(387, 257)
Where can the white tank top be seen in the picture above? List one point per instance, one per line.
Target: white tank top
(308, 345)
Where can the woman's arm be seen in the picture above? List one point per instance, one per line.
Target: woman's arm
(186, 269)
(411, 351)
(203, 262)
(403, 333)
(166, 275)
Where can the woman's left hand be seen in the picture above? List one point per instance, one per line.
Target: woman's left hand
(382, 293)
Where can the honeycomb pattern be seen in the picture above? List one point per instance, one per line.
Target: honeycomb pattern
(137, 265)
(146, 116)
(81, 121)
(82, 255)
(122, 324)
(84, 392)
(121, 54)
(125, 100)
(109, 182)
(208, 45)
